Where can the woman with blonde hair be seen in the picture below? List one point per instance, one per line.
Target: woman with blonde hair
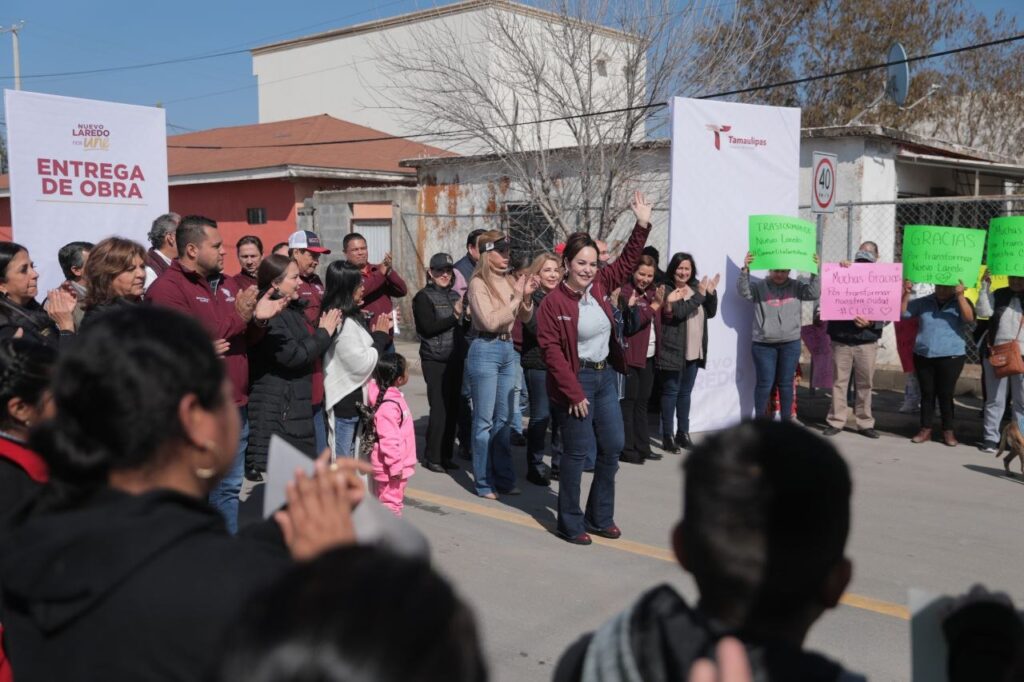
(496, 301)
(115, 277)
(547, 268)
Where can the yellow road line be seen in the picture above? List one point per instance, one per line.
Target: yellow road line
(853, 600)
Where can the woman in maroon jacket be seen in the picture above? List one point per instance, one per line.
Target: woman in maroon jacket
(574, 331)
(642, 301)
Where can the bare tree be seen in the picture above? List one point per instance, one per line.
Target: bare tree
(563, 98)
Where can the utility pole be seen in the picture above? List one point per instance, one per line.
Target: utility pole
(13, 30)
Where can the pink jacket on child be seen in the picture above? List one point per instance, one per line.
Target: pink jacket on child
(395, 452)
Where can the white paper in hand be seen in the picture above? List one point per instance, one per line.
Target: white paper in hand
(374, 525)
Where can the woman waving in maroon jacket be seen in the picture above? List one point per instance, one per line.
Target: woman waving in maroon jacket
(574, 331)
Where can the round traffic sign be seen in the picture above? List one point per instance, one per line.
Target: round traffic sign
(824, 183)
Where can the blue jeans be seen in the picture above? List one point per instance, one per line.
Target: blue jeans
(520, 396)
(601, 432)
(465, 428)
(491, 367)
(344, 435)
(320, 428)
(540, 418)
(676, 389)
(224, 496)
(775, 363)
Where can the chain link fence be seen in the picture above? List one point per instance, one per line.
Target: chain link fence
(881, 222)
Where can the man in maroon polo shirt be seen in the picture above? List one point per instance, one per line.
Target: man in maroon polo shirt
(380, 282)
(305, 249)
(195, 285)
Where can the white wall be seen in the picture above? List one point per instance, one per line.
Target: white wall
(342, 76)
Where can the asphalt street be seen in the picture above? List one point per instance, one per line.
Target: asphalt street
(925, 516)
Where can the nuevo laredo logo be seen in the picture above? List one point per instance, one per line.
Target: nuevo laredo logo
(747, 142)
(91, 137)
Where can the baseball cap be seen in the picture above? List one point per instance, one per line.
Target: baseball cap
(441, 261)
(309, 241)
(499, 245)
(864, 257)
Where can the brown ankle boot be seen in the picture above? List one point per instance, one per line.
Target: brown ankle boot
(922, 436)
(949, 439)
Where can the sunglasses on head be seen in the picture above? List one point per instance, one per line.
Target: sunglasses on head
(501, 246)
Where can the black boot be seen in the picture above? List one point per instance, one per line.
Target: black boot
(683, 441)
(669, 445)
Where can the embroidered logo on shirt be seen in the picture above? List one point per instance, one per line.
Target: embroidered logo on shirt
(202, 299)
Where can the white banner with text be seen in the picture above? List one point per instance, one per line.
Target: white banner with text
(729, 161)
(82, 170)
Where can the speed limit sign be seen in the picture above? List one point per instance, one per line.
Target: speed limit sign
(823, 192)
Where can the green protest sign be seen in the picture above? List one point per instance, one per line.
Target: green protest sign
(942, 255)
(779, 242)
(1006, 246)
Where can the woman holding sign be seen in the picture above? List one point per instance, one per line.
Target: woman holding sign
(939, 352)
(778, 313)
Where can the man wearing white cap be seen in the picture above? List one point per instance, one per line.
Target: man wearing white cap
(305, 249)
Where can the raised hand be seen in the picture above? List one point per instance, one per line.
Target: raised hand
(659, 294)
(703, 286)
(530, 285)
(676, 295)
(60, 306)
(908, 287)
(330, 320)
(960, 288)
(245, 303)
(641, 208)
(748, 260)
(382, 323)
(713, 283)
(268, 307)
(385, 264)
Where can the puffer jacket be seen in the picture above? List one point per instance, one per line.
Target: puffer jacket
(439, 330)
(283, 364)
(395, 452)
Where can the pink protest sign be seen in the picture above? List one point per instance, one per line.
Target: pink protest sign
(869, 290)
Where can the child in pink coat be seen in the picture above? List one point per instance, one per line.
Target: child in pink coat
(394, 456)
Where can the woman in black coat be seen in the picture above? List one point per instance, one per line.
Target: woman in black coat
(121, 570)
(437, 311)
(115, 276)
(285, 367)
(19, 286)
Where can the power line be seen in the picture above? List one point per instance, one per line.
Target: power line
(622, 110)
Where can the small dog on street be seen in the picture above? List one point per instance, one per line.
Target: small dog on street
(1012, 441)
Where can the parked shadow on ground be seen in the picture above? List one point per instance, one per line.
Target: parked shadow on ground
(540, 502)
(996, 473)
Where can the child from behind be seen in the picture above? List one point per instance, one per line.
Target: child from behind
(394, 455)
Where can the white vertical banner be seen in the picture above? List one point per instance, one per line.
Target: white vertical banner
(82, 170)
(729, 161)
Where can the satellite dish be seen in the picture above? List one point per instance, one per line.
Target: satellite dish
(898, 75)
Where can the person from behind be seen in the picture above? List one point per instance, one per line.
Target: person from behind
(164, 248)
(280, 249)
(115, 276)
(287, 379)
(465, 266)
(778, 315)
(72, 258)
(120, 569)
(355, 613)
(437, 312)
(50, 324)
(249, 250)
(394, 454)
(939, 352)
(766, 515)
(25, 401)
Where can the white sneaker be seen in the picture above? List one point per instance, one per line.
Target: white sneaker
(909, 408)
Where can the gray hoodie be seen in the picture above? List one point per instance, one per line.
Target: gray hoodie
(777, 309)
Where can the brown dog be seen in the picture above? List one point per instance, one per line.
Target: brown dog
(1012, 440)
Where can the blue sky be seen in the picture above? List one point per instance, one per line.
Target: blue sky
(61, 36)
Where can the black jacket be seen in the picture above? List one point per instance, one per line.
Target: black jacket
(35, 324)
(126, 588)
(665, 637)
(848, 333)
(95, 312)
(433, 311)
(529, 352)
(281, 396)
(672, 347)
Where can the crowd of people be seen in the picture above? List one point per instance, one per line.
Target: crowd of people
(140, 397)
